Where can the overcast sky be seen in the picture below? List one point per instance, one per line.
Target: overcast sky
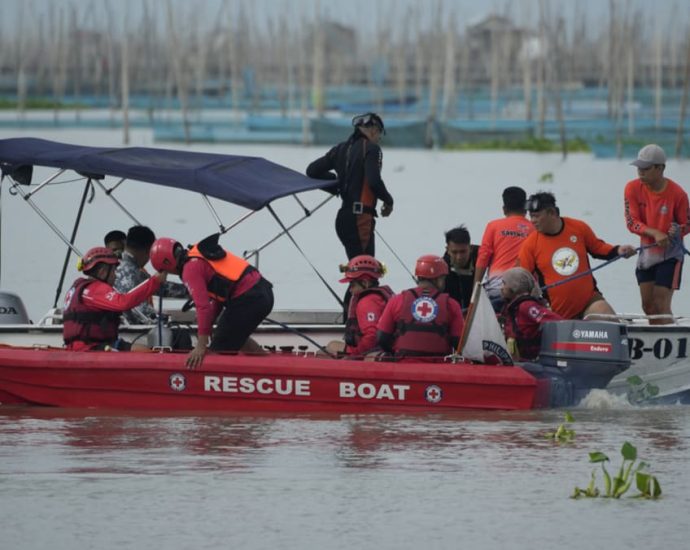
(362, 14)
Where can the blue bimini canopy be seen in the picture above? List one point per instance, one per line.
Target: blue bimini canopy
(252, 182)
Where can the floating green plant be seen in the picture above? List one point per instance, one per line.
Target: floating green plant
(616, 486)
(564, 433)
(546, 177)
(639, 391)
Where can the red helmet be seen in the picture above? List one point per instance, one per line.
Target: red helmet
(162, 254)
(95, 256)
(362, 267)
(430, 267)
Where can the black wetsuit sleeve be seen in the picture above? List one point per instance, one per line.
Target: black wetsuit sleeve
(610, 256)
(372, 172)
(322, 169)
(384, 340)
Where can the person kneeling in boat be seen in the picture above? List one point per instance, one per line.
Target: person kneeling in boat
(225, 288)
(365, 308)
(422, 321)
(91, 318)
(524, 313)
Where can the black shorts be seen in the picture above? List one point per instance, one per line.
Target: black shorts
(666, 274)
(241, 316)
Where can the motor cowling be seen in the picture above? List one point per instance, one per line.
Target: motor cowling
(587, 353)
(12, 310)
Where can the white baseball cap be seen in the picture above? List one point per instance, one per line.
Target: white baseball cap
(649, 155)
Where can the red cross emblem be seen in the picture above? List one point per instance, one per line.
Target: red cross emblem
(433, 394)
(424, 309)
(178, 382)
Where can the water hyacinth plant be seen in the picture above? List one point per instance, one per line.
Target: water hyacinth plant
(639, 391)
(564, 433)
(615, 487)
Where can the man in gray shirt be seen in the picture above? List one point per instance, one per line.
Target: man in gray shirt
(131, 273)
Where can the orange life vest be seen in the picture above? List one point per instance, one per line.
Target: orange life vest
(228, 270)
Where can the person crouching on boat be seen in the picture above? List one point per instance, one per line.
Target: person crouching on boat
(91, 318)
(366, 306)
(225, 289)
(422, 321)
(524, 313)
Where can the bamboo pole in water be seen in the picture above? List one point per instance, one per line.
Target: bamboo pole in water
(21, 64)
(75, 55)
(435, 68)
(541, 72)
(317, 98)
(631, 75)
(180, 81)
(684, 99)
(400, 55)
(658, 75)
(448, 105)
(124, 82)
(419, 60)
(526, 66)
(302, 82)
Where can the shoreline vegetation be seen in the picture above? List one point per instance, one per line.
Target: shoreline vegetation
(535, 144)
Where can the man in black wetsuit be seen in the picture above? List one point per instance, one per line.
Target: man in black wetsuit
(461, 257)
(357, 163)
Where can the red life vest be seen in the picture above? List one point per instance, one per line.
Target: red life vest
(528, 345)
(353, 334)
(228, 270)
(424, 326)
(84, 324)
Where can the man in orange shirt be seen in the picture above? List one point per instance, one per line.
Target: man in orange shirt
(501, 243)
(558, 251)
(656, 209)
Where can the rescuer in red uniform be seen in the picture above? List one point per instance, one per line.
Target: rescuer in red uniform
(92, 306)
(524, 313)
(366, 306)
(225, 289)
(422, 321)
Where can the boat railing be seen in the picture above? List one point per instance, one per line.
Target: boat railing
(51, 318)
(638, 319)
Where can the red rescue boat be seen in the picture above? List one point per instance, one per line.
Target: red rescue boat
(273, 382)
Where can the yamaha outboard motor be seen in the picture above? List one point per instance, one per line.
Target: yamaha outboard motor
(579, 356)
(12, 310)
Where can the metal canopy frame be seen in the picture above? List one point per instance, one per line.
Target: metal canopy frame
(19, 188)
